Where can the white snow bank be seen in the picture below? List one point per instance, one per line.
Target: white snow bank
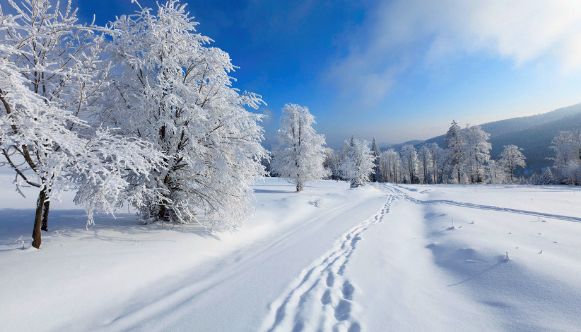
(405, 258)
(120, 275)
(440, 267)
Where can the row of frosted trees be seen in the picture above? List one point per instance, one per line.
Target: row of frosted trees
(301, 155)
(465, 159)
(141, 111)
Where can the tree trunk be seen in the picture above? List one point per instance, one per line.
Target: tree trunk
(45, 212)
(36, 236)
(299, 187)
(162, 212)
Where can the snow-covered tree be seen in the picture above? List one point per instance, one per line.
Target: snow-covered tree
(357, 162)
(49, 77)
(511, 158)
(545, 177)
(171, 88)
(300, 152)
(390, 166)
(567, 159)
(331, 163)
(376, 176)
(455, 144)
(439, 157)
(425, 164)
(495, 172)
(476, 152)
(409, 158)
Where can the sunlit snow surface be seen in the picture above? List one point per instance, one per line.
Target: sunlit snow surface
(382, 257)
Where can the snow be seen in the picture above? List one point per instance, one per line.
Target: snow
(373, 258)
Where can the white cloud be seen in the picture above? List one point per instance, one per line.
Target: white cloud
(522, 31)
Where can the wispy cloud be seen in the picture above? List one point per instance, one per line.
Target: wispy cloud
(402, 33)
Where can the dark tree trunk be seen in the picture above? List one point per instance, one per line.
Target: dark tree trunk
(45, 212)
(299, 187)
(36, 236)
(162, 212)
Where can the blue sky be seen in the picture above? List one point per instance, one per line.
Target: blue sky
(396, 70)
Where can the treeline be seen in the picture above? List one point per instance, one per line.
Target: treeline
(301, 155)
(466, 159)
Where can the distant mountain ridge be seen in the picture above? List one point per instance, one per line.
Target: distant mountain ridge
(532, 133)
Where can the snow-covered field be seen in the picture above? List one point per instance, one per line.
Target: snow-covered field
(377, 258)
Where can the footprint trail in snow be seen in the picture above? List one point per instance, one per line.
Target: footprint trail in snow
(322, 298)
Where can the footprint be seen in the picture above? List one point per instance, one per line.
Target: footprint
(330, 279)
(299, 326)
(355, 327)
(343, 310)
(348, 290)
(355, 240)
(326, 299)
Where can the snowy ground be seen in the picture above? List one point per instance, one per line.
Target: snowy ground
(400, 258)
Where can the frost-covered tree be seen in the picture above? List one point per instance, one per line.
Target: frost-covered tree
(439, 157)
(511, 159)
(567, 159)
(409, 159)
(390, 166)
(376, 176)
(49, 77)
(455, 145)
(300, 152)
(357, 162)
(495, 172)
(331, 163)
(545, 177)
(425, 164)
(476, 153)
(172, 89)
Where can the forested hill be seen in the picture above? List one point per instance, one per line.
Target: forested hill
(532, 133)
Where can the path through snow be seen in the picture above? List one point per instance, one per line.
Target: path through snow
(321, 298)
